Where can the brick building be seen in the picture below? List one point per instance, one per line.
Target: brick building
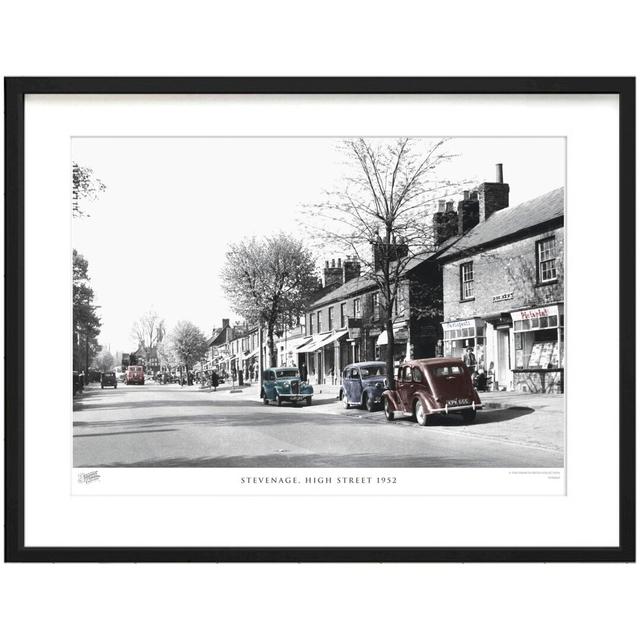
(503, 290)
(347, 324)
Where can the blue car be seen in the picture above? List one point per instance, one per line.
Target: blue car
(363, 384)
(283, 383)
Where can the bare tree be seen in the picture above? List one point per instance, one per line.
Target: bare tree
(383, 214)
(269, 281)
(148, 330)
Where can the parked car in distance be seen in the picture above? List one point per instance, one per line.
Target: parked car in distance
(432, 386)
(109, 379)
(135, 374)
(283, 383)
(363, 384)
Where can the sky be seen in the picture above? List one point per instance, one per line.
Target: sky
(156, 237)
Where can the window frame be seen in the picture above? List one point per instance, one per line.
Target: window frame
(330, 319)
(463, 298)
(357, 313)
(539, 261)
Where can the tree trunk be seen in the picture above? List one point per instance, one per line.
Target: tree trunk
(391, 346)
(273, 356)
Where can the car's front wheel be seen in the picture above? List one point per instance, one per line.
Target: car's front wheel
(369, 403)
(420, 413)
(278, 399)
(345, 399)
(388, 410)
(263, 395)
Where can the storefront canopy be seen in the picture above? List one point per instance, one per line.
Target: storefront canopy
(322, 341)
(400, 334)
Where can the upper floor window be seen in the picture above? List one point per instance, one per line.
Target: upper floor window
(310, 324)
(330, 318)
(343, 314)
(319, 322)
(466, 280)
(375, 301)
(356, 307)
(546, 256)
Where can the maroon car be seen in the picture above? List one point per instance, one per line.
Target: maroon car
(432, 386)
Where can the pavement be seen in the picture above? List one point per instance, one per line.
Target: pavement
(166, 425)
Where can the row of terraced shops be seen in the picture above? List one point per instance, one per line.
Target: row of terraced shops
(493, 287)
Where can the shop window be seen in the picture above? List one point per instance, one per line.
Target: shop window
(546, 258)
(466, 281)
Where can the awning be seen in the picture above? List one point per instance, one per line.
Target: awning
(253, 354)
(322, 341)
(400, 334)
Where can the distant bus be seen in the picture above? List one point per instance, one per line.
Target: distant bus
(135, 374)
(120, 373)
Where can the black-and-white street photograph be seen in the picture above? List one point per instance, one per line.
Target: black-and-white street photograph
(318, 302)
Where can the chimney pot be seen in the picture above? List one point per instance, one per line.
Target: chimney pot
(465, 195)
(449, 205)
(499, 177)
(440, 206)
(339, 262)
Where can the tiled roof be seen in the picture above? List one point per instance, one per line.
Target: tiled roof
(510, 221)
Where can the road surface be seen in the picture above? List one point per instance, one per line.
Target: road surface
(168, 426)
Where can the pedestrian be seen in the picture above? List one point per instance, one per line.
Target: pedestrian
(303, 372)
(470, 360)
(331, 371)
(215, 380)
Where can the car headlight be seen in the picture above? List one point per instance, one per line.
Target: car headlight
(285, 385)
(378, 385)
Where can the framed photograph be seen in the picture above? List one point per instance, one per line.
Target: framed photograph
(320, 319)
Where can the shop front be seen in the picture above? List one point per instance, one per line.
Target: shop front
(539, 349)
(323, 356)
(459, 335)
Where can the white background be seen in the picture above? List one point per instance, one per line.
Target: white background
(319, 601)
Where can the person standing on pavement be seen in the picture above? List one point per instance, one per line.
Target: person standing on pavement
(303, 372)
(215, 380)
(470, 360)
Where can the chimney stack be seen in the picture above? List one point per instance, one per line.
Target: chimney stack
(350, 269)
(225, 323)
(333, 274)
(493, 196)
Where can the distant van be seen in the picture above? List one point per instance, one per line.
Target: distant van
(135, 375)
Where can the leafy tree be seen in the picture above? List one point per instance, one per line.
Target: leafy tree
(104, 361)
(187, 344)
(86, 188)
(86, 323)
(382, 214)
(268, 281)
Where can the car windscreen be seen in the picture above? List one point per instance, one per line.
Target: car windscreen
(449, 370)
(287, 373)
(368, 372)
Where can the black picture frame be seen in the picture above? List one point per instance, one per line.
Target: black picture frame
(15, 91)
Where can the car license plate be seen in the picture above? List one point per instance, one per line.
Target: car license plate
(461, 402)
